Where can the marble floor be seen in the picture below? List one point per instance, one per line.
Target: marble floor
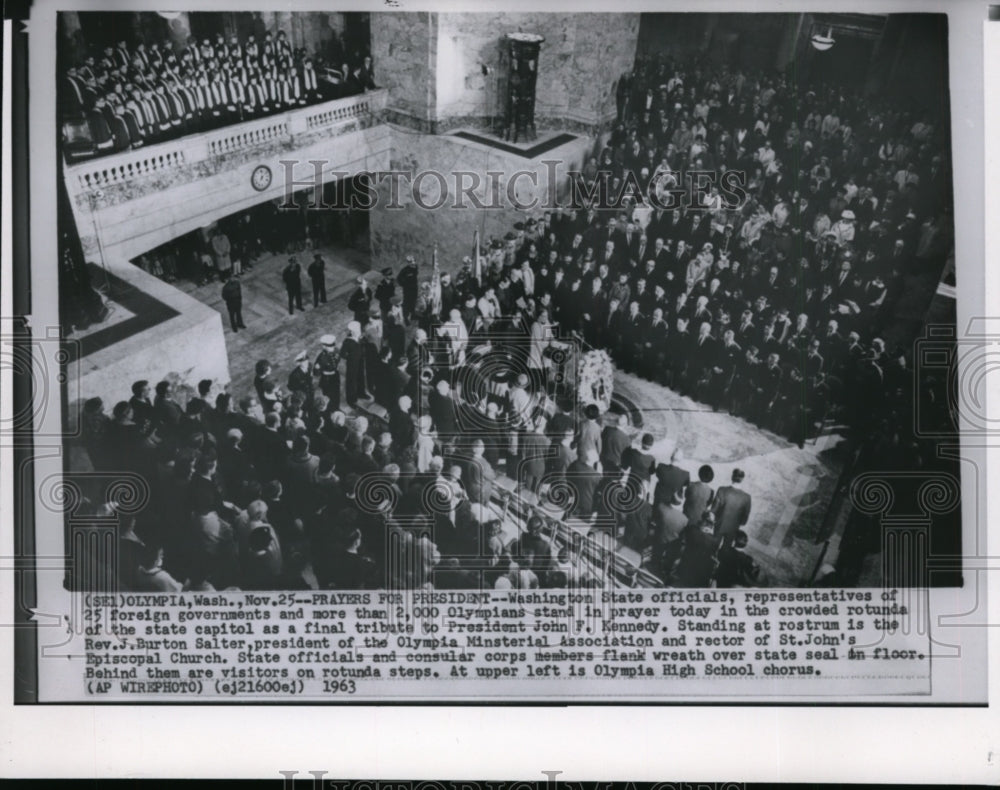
(791, 487)
(271, 332)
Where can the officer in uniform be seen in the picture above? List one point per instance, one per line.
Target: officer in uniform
(360, 301)
(301, 379)
(326, 367)
(408, 282)
(385, 290)
(354, 375)
(292, 276)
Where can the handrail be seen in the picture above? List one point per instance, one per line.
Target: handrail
(106, 171)
(619, 570)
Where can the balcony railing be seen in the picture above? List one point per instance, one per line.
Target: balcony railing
(87, 177)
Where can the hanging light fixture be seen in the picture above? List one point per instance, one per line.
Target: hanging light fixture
(169, 15)
(823, 42)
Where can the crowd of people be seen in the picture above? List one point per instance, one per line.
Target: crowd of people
(283, 490)
(140, 92)
(773, 308)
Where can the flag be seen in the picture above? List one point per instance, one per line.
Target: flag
(435, 283)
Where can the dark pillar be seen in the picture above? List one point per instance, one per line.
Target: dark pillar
(522, 51)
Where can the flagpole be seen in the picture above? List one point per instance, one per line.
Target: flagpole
(435, 282)
(477, 259)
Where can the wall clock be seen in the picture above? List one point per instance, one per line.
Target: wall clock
(260, 179)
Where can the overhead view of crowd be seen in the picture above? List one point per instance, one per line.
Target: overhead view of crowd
(376, 459)
(283, 490)
(136, 92)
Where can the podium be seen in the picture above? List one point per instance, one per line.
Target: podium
(520, 53)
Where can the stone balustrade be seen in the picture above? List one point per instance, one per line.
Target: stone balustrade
(117, 169)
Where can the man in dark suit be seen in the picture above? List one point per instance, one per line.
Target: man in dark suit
(232, 295)
(317, 275)
(671, 480)
(736, 567)
(731, 509)
(699, 495)
(441, 406)
(360, 301)
(584, 476)
(533, 447)
(589, 434)
(165, 410)
(697, 563)
(396, 382)
(614, 443)
(479, 475)
(142, 408)
(292, 277)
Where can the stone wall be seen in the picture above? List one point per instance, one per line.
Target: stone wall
(411, 229)
(582, 57)
(432, 65)
(404, 47)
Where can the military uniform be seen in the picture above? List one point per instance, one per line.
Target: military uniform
(385, 290)
(359, 303)
(300, 380)
(354, 384)
(326, 367)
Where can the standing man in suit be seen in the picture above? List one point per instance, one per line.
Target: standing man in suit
(583, 476)
(671, 480)
(317, 275)
(731, 509)
(589, 435)
(292, 276)
(699, 495)
(232, 295)
(407, 281)
(614, 443)
(480, 475)
(533, 447)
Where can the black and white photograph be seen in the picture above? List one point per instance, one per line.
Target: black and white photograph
(497, 355)
(681, 356)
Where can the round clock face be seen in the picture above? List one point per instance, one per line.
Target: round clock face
(261, 178)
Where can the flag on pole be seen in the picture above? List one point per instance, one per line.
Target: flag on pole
(435, 282)
(478, 259)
